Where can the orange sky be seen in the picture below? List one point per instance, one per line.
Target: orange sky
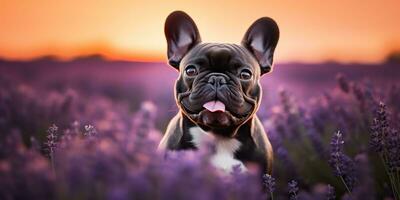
(311, 30)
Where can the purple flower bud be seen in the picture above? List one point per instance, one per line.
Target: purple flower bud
(51, 143)
(341, 164)
(293, 190)
(90, 131)
(393, 150)
(269, 183)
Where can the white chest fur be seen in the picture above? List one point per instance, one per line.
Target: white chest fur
(223, 158)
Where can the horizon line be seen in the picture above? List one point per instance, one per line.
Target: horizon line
(149, 59)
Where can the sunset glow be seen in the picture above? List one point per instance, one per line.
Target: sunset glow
(311, 30)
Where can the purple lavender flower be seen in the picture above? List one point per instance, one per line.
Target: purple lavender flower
(386, 142)
(51, 143)
(336, 156)
(340, 163)
(90, 131)
(376, 141)
(393, 151)
(379, 130)
(122, 164)
(269, 183)
(293, 190)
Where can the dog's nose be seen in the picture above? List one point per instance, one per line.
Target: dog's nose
(217, 81)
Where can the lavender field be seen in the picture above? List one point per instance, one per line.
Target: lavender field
(89, 128)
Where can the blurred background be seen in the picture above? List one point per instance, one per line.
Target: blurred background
(103, 63)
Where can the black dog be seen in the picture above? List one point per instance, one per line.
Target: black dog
(218, 92)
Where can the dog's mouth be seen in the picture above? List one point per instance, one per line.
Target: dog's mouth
(214, 115)
(214, 106)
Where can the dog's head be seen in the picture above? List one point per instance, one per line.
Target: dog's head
(218, 87)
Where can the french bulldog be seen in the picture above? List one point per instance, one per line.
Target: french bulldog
(218, 93)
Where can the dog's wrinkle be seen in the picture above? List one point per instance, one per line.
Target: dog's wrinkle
(199, 60)
(198, 79)
(252, 102)
(204, 95)
(228, 98)
(186, 109)
(233, 80)
(182, 95)
(201, 92)
(240, 105)
(237, 94)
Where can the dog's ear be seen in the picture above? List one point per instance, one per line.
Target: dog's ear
(261, 39)
(182, 34)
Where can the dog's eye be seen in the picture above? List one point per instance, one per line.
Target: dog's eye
(191, 70)
(245, 74)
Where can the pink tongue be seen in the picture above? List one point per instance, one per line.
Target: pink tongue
(214, 106)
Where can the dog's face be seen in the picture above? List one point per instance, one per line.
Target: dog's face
(218, 87)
